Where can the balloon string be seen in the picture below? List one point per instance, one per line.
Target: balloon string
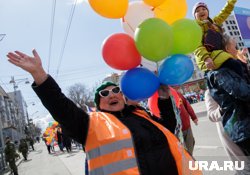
(157, 69)
(131, 28)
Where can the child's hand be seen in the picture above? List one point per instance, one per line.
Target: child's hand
(209, 63)
(244, 51)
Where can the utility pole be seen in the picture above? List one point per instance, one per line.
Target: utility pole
(15, 83)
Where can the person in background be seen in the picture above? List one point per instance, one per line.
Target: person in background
(133, 142)
(233, 151)
(60, 138)
(45, 139)
(66, 141)
(38, 139)
(23, 148)
(240, 56)
(10, 155)
(186, 112)
(31, 142)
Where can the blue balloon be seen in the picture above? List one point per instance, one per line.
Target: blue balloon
(176, 69)
(139, 84)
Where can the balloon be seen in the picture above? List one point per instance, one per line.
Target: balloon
(153, 39)
(54, 124)
(153, 104)
(171, 10)
(139, 84)
(110, 8)
(137, 12)
(154, 3)
(119, 52)
(150, 65)
(176, 70)
(187, 36)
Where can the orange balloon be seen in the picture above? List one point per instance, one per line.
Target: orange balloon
(154, 3)
(110, 8)
(168, 10)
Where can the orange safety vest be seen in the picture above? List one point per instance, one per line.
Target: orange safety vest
(110, 148)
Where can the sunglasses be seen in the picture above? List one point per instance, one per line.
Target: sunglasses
(105, 92)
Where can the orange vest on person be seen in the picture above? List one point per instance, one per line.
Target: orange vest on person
(110, 148)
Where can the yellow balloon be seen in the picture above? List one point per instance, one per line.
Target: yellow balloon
(154, 3)
(110, 8)
(171, 10)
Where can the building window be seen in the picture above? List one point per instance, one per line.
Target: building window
(228, 27)
(236, 27)
(231, 33)
(233, 22)
(230, 22)
(226, 22)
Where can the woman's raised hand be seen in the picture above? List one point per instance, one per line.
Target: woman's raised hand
(28, 63)
(33, 65)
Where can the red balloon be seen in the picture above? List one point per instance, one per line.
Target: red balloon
(119, 52)
(153, 104)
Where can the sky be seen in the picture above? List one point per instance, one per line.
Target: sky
(28, 24)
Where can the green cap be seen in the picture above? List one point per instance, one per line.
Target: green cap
(101, 87)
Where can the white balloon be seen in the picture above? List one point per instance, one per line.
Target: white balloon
(150, 65)
(137, 12)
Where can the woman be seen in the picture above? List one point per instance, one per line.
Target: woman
(118, 139)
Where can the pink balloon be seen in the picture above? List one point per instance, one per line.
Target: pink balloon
(119, 52)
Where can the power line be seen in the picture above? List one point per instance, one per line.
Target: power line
(66, 37)
(51, 30)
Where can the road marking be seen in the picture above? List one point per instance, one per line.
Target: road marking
(207, 147)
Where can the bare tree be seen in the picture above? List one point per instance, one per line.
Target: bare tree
(38, 130)
(79, 94)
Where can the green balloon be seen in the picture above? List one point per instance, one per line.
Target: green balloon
(187, 36)
(153, 39)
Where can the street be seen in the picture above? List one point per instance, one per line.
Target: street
(207, 143)
(207, 147)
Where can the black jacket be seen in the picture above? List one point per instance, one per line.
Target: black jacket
(151, 146)
(232, 93)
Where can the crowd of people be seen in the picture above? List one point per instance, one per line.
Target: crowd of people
(61, 139)
(11, 154)
(194, 97)
(123, 137)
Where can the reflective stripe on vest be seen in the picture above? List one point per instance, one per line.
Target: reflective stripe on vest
(109, 148)
(115, 167)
